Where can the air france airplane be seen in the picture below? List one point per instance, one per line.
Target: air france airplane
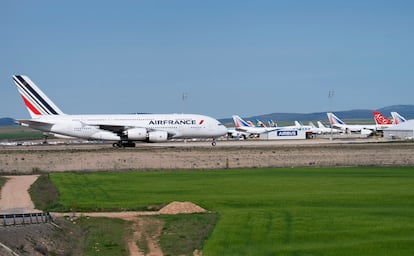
(348, 128)
(243, 126)
(122, 129)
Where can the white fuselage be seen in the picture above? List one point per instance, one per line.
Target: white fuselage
(355, 127)
(104, 127)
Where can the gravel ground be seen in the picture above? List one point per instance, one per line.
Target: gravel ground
(40, 239)
(200, 155)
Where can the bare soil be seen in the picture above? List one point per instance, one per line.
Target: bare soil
(44, 159)
(40, 239)
(14, 196)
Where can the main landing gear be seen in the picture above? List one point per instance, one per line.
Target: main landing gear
(123, 144)
(213, 143)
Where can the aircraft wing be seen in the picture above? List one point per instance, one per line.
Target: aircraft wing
(35, 124)
(112, 128)
(273, 129)
(120, 129)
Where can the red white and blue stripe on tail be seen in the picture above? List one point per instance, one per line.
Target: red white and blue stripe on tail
(240, 122)
(334, 120)
(37, 103)
(398, 118)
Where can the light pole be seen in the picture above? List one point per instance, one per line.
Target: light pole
(185, 96)
(330, 96)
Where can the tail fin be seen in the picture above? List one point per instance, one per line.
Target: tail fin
(239, 122)
(397, 118)
(260, 123)
(334, 120)
(37, 103)
(272, 123)
(321, 125)
(250, 123)
(298, 124)
(380, 118)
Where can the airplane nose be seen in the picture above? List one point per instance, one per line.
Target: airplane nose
(223, 130)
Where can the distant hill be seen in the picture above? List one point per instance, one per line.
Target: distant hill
(7, 121)
(405, 110)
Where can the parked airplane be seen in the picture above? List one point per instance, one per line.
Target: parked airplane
(348, 128)
(381, 121)
(260, 123)
(397, 118)
(233, 133)
(325, 129)
(124, 129)
(244, 126)
(298, 125)
(271, 123)
(322, 129)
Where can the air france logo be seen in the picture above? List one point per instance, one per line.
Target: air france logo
(287, 133)
(176, 122)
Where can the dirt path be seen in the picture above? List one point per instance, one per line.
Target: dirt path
(144, 230)
(148, 231)
(14, 196)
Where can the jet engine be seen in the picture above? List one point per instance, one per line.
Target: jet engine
(157, 136)
(136, 134)
(366, 132)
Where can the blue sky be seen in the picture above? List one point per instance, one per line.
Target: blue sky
(229, 57)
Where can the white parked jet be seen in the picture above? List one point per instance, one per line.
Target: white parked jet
(243, 126)
(123, 129)
(348, 128)
(322, 129)
(233, 133)
(301, 127)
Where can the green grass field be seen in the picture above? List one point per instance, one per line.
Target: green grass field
(17, 132)
(297, 211)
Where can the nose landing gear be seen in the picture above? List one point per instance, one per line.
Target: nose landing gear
(213, 143)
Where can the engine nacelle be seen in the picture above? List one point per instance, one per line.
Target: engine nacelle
(366, 132)
(157, 136)
(136, 134)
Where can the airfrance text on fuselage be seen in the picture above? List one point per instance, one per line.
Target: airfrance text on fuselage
(173, 122)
